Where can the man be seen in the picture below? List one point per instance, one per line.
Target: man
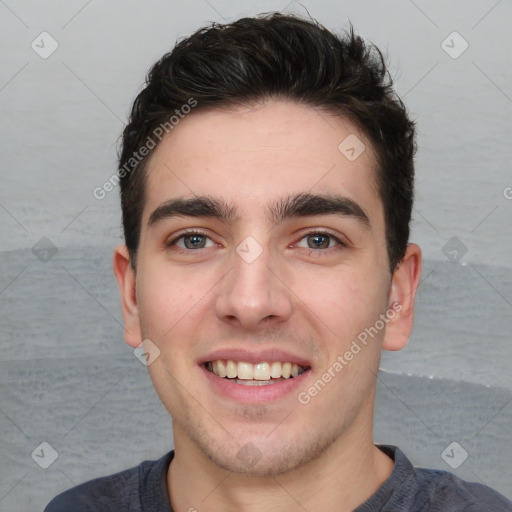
(266, 181)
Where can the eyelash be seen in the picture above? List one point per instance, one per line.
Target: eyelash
(174, 240)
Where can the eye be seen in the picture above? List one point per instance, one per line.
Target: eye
(191, 240)
(320, 240)
(195, 239)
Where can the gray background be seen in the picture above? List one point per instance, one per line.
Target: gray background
(68, 379)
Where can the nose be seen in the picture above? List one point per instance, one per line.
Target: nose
(254, 293)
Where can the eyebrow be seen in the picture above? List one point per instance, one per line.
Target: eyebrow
(298, 205)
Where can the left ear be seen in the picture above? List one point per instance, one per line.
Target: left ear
(404, 283)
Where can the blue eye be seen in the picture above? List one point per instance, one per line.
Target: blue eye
(191, 240)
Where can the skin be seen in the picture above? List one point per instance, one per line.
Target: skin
(318, 456)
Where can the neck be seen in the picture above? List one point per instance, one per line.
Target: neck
(341, 478)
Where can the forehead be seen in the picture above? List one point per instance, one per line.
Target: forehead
(254, 156)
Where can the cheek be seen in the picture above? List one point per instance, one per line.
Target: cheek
(345, 302)
(164, 299)
(173, 304)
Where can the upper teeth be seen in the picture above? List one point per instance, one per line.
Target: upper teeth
(258, 371)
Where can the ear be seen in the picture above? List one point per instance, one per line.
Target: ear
(126, 280)
(404, 283)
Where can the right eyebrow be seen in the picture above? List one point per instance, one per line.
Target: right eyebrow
(202, 206)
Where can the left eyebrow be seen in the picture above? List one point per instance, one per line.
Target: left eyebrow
(298, 205)
(306, 204)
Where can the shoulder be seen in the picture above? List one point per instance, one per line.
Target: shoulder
(120, 491)
(442, 490)
(424, 490)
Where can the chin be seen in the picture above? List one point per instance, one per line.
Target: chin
(249, 460)
(262, 456)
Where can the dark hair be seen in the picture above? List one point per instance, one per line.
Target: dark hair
(274, 56)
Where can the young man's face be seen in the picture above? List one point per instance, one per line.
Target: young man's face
(249, 289)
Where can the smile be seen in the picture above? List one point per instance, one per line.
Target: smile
(254, 383)
(259, 374)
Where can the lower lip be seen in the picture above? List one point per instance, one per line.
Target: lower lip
(253, 394)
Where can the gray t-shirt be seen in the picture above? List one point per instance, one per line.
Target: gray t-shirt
(408, 489)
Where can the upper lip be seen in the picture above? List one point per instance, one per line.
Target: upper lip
(251, 356)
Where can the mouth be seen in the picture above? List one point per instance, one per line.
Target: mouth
(258, 374)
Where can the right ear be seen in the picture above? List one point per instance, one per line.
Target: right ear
(126, 280)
